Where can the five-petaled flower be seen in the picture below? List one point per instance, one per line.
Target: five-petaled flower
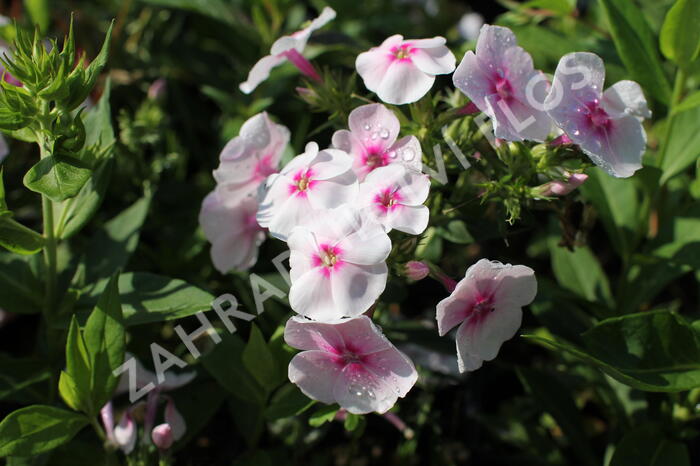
(371, 140)
(349, 362)
(231, 227)
(287, 48)
(606, 125)
(502, 82)
(249, 158)
(402, 71)
(487, 303)
(314, 180)
(394, 195)
(337, 264)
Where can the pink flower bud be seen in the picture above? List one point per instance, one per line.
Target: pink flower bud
(563, 139)
(416, 270)
(562, 188)
(157, 89)
(162, 436)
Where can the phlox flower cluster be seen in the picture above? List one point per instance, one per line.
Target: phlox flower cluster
(335, 206)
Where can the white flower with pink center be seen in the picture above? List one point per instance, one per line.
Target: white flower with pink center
(402, 71)
(502, 82)
(487, 305)
(349, 362)
(337, 263)
(371, 141)
(249, 158)
(394, 195)
(288, 48)
(315, 180)
(232, 229)
(606, 125)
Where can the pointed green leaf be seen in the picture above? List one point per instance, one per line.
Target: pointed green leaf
(17, 238)
(36, 429)
(105, 342)
(680, 33)
(58, 177)
(636, 46)
(259, 360)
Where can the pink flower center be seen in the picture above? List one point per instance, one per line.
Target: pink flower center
(597, 116)
(503, 88)
(375, 157)
(303, 182)
(387, 199)
(481, 307)
(328, 258)
(402, 52)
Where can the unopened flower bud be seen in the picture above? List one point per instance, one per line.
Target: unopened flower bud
(175, 420)
(157, 89)
(125, 433)
(416, 270)
(162, 436)
(562, 188)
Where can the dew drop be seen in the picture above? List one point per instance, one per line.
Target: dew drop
(374, 135)
(384, 133)
(367, 127)
(577, 132)
(408, 154)
(392, 154)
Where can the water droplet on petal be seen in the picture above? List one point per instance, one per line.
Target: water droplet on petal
(408, 154)
(577, 132)
(367, 127)
(374, 136)
(384, 133)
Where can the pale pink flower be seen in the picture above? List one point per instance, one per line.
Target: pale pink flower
(402, 71)
(394, 195)
(501, 80)
(287, 48)
(349, 362)
(311, 181)
(124, 434)
(606, 125)
(249, 158)
(371, 141)
(416, 270)
(233, 231)
(162, 436)
(337, 264)
(487, 303)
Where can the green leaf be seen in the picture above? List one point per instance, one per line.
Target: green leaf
(555, 399)
(323, 415)
(83, 81)
(688, 103)
(562, 7)
(352, 421)
(617, 205)
(260, 361)
(646, 445)
(40, 13)
(100, 140)
(579, 271)
(456, 232)
(683, 145)
(20, 290)
(148, 298)
(288, 401)
(636, 46)
(112, 246)
(105, 342)
(57, 176)
(17, 238)
(38, 428)
(680, 33)
(679, 239)
(225, 364)
(74, 386)
(652, 351)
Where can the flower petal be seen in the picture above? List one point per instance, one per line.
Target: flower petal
(372, 66)
(626, 97)
(407, 150)
(260, 72)
(410, 219)
(434, 60)
(619, 149)
(480, 340)
(315, 373)
(471, 78)
(517, 287)
(360, 391)
(330, 163)
(334, 192)
(303, 334)
(394, 367)
(374, 125)
(310, 295)
(357, 287)
(361, 336)
(404, 83)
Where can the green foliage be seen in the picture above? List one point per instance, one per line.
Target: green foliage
(680, 33)
(36, 429)
(647, 445)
